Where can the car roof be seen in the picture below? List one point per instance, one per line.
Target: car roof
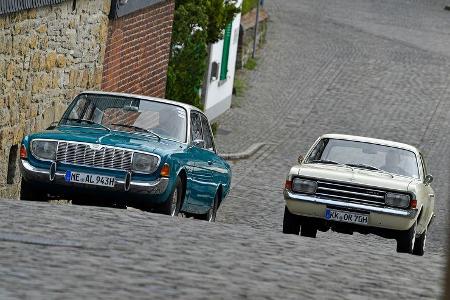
(371, 141)
(183, 105)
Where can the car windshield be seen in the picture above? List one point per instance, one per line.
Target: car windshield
(128, 114)
(366, 156)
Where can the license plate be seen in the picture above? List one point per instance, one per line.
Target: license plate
(346, 216)
(91, 179)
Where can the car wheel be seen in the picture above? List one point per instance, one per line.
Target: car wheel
(406, 240)
(172, 206)
(212, 213)
(307, 229)
(210, 216)
(291, 222)
(419, 245)
(30, 193)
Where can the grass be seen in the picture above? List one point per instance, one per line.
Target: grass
(248, 5)
(214, 127)
(250, 64)
(239, 86)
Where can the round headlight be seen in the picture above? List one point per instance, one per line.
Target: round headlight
(397, 200)
(145, 163)
(45, 150)
(306, 186)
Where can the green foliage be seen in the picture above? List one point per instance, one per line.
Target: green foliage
(214, 127)
(239, 86)
(250, 64)
(248, 5)
(197, 23)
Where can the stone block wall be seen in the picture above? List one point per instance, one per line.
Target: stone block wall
(47, 56)
(137, 52)
(247, 35)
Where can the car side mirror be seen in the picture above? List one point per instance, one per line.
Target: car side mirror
(198, 143)
(428, 179)
(300, 159)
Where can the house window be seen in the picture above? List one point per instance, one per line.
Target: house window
(225, 52)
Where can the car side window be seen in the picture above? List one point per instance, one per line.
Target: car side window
(196, 127)
(424, 166)
(207, 135)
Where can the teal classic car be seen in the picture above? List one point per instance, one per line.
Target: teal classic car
(131, 150)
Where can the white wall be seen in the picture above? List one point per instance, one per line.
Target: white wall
(218, 93)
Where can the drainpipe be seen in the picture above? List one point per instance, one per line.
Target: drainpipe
(256, 29)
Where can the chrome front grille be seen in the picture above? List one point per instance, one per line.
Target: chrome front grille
(85, 155)
(350, 193)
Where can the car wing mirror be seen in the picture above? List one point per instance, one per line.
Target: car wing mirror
(300, 159)
(198, 143)
(428, 179)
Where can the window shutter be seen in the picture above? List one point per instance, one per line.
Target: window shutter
(226, 52)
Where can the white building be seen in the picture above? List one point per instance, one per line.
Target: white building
(221, 68)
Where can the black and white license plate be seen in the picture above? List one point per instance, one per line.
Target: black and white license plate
(346, 216)
(92, 179)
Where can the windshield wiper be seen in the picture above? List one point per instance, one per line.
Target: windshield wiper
(87, 121)
(369, 167)
(137, 128)
(324, 161)
(364, 166)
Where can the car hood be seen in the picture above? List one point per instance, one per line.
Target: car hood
(355, 176)
(133, 141)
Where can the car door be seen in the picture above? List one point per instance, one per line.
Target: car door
(215, 163)
(200, 177)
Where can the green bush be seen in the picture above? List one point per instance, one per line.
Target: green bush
(197, 23)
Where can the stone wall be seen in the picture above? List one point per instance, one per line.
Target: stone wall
(247, 34)
(47, 55)
(137, 53)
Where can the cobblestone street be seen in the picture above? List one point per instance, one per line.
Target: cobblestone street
(372, 68)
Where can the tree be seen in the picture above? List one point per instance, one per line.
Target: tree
(197, 23)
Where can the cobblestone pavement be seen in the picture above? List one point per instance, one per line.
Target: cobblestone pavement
(375, 68)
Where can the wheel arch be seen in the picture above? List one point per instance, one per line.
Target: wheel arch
(183, 176)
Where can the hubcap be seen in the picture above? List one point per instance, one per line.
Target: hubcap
(174, 202)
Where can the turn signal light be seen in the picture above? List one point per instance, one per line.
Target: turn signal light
(413, 203)
(288, 185)
(165, 171)
(23, 152)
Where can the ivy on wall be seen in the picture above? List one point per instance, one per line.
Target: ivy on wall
(197, 23)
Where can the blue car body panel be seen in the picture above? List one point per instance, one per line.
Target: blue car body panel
(205, 171)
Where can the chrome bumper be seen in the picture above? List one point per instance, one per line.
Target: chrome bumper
(398, 212)
(39, 175)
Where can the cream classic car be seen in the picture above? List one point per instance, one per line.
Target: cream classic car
(358, 184)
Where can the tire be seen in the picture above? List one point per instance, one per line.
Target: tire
(419, 245)
(30, 193)
(406, 240)
(291, 222)
(172, 206)
(210, 216)
(309, 230)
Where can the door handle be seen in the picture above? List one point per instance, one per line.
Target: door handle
(209, 162)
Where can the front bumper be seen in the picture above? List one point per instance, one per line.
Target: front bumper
(37, 175)
(380, 217)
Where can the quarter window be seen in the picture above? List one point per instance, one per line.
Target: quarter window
(207, 135)
(196, 127)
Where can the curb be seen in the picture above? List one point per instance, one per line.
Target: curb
(242, 155)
